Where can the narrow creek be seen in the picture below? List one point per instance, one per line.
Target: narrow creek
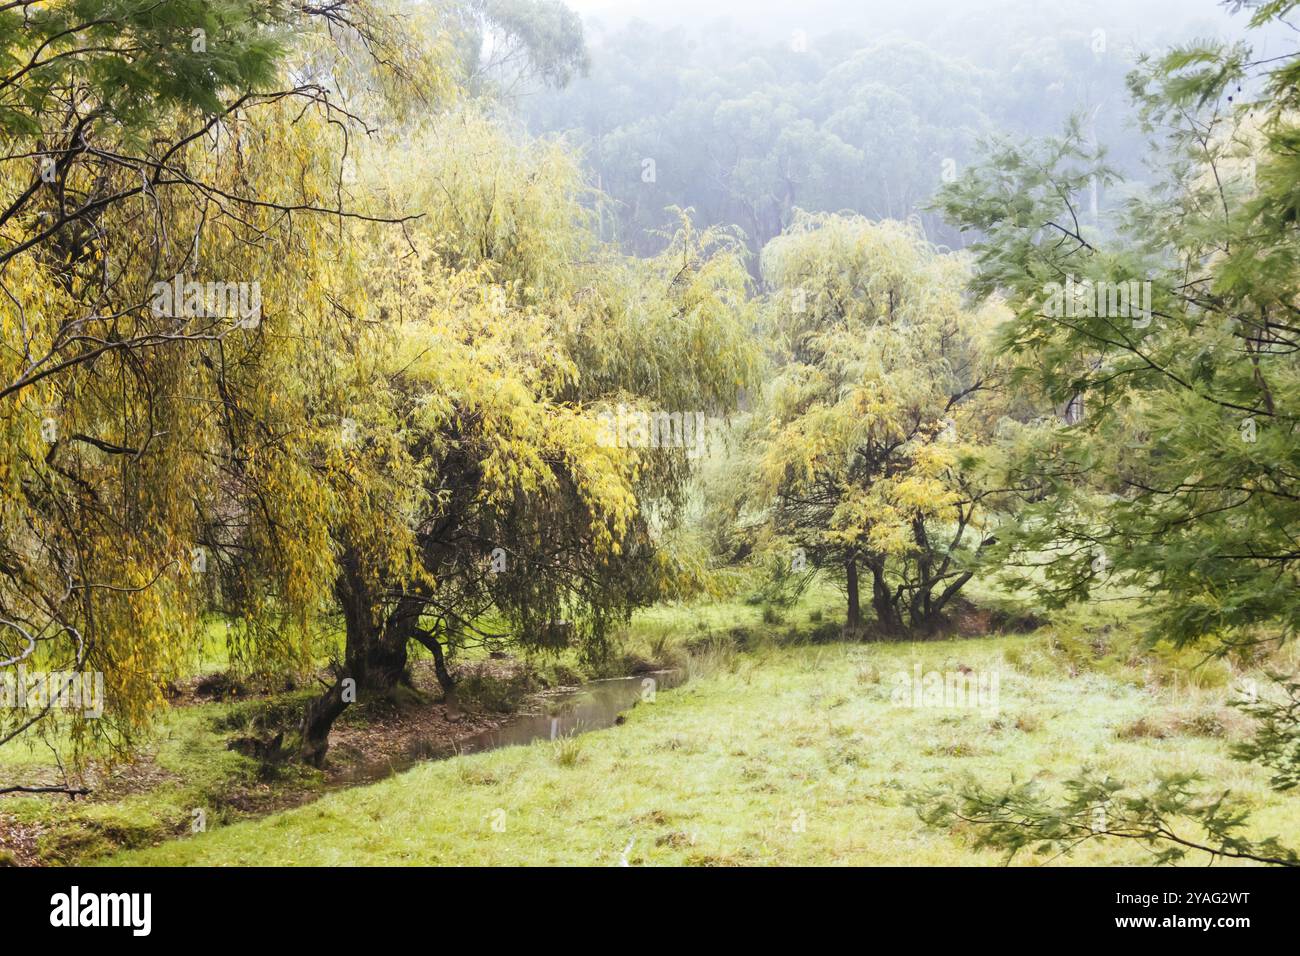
(593, 706)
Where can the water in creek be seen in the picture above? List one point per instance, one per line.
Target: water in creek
(592, 706)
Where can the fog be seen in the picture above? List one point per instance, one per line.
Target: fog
(745, 112)
(947, 23)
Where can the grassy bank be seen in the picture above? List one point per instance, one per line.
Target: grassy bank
(785, 754)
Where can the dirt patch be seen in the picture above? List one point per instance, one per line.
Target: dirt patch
(105, 781)
(398, 738)
(18, 842)
(1224, 723)
(218, 686)
(966, 619)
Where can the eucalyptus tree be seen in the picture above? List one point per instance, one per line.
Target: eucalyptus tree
(510, 45)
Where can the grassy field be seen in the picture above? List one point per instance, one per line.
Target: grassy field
(787, 745)
(782, 754)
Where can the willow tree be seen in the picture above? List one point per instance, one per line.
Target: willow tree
(867, 441)
(175, 266)
(526, 526)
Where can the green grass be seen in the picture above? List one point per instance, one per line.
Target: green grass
(779, 719)
(186, 767)
(789, 754)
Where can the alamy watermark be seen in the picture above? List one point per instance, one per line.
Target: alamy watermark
(1130, 299)
(963, 688)
(239, 301)
(42, 690)
(630, 428)
(75, 908)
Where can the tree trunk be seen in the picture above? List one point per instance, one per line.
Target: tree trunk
(317, 721)
(921, 612)
(882, 602)
(374, 655)
(445, 680)
(376, 652)
(853, 626)
(929, 621)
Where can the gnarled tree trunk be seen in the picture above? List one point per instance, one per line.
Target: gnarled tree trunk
(853, 625)
(317, 721)
(445, 680)
(883, 601)
(375, 656)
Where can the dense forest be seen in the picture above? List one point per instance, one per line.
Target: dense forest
(377, 372)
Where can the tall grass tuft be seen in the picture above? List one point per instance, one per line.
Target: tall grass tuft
(566, 751)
